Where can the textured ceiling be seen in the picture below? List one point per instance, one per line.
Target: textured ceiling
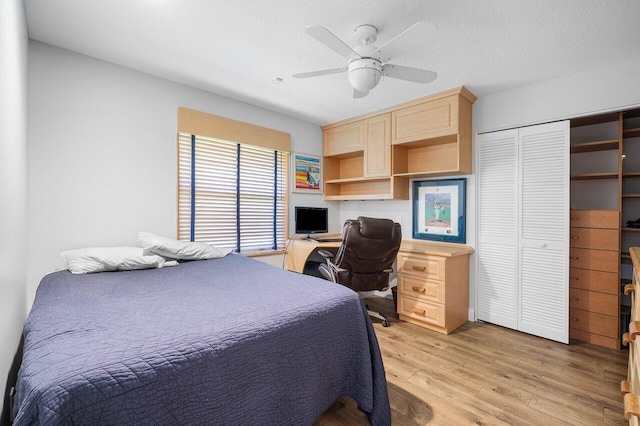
(236, 48)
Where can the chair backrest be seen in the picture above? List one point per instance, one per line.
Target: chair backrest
(369, 248)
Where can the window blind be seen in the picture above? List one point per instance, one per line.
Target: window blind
(231, 195)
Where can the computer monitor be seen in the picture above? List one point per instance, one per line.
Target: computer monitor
(312, 220)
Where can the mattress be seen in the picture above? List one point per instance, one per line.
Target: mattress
(222, 341)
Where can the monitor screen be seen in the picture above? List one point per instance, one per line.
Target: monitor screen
(312, 220)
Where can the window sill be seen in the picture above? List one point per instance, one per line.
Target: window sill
(259, 253)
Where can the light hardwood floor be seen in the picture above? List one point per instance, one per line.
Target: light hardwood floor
(483, 374)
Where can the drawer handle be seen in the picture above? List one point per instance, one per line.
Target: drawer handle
(625, 387)
(631, 405)
(575, 237)
(629, 288)
(575, 218)
(574, 258)
(574, 319)
(575, 299)
(418, 311)
(574, 278)
(418, 267)
(418, 289)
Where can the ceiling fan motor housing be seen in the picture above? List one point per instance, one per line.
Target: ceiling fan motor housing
(364, 73)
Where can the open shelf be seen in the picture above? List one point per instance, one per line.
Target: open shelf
(594, 146)
(594, 119)
(632, 133)
(362, 188)
(594, 176)
(630, 195)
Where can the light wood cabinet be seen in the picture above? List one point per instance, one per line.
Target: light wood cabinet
(433, 138)
(433, 285)
(377, 152)
(374, 156)
(347, 138)
(630, 388)
(594, 261)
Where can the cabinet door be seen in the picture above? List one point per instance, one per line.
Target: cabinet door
(497, 227)
(544, 231)
(377, 151)
(427, 120)
(343, 139)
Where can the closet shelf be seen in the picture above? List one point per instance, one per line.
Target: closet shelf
(593, 176)
(631, 229)
(631, 175)
(630, 195)
(594, 146)
(632, 133)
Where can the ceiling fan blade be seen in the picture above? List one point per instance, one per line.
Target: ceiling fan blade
(406, 41)
(357, 94)
(320, 72)
(416, 75)
(327, 38)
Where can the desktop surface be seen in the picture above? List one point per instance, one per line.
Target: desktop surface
(327, 240)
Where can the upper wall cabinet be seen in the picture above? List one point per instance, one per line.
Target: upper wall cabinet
(343, 139)
(373, 157)
(433, 138)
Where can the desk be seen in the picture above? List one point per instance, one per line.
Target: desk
(302, 254)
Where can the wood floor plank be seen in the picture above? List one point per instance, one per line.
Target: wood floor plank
(482, 374)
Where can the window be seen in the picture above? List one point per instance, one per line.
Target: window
(232, 195)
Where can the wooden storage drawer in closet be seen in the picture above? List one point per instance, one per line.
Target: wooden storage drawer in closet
(586, 279)
(594, 283)
(599, 260)
(593, 301)
(609, 219)
(601, 239)
(592, 322)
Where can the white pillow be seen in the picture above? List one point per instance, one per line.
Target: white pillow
(103, 259)
(175, 249)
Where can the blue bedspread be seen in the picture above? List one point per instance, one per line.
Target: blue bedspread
(229, 341)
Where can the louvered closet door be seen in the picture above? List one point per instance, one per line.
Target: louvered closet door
(544, 231)
(497, 247)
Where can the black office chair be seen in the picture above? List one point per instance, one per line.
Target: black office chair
(365, 258)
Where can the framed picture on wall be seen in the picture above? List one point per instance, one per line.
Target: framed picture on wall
(439, 210)
(306, 173)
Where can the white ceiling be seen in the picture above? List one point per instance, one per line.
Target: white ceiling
(236, 48)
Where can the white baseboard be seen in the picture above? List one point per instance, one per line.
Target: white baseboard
(472, 314)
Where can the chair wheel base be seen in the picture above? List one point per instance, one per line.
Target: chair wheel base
(385, 323)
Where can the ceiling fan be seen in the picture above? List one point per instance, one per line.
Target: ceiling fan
(367, 63)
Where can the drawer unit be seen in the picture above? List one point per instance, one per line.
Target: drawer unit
(432, 313)
(593, 301)
(433, 291)
(593, 238)
(598, 260)
(609, 219)
(433, 285)
(587, 279)
(604, 325)
(594, 279)
(424, 266)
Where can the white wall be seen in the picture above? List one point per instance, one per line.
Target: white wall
(13, 178)
(102, 153)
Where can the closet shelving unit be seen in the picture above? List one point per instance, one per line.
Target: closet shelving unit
(605, 175)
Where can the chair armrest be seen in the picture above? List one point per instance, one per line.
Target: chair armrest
(325, 254)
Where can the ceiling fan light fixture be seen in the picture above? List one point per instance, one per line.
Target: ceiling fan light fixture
(364, 74)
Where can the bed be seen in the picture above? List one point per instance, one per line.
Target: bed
(221, 341)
